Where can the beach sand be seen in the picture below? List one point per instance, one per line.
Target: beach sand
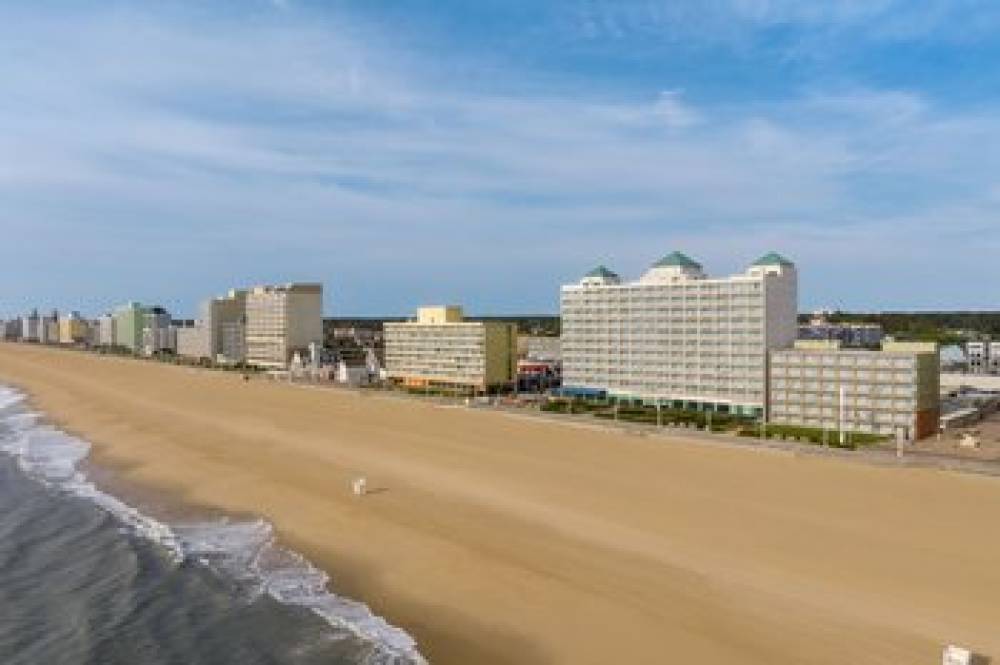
(494, 538)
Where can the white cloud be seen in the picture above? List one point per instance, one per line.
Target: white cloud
(140, 135)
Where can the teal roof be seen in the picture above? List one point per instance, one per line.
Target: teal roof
(601, 271)
(677, 259)
(773, 259)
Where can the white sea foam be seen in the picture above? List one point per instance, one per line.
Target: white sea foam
(246, 551)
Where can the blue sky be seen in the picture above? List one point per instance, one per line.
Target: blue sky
(485, 152)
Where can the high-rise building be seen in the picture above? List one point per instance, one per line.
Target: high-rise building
(73, 329)
(48, 328)
(893, 392)
(30, 325)
(107, 334)
(12, 330)
(281, 320)
(158, 333)
(442, 349)
(224, 320)
(677, 337)
(130, 319)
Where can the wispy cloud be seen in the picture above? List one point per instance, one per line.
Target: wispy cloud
(190, 154)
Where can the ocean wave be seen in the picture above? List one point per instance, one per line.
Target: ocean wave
(246, 551)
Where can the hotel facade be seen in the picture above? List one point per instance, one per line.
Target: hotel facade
(894, 392)
(442, 349)
(281, 320)
(677, 337)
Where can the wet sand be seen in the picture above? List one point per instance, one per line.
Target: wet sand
(498, 539)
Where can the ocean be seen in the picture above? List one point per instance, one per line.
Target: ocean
(86, 578)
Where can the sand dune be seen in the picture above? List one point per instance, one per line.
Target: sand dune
(497, 539)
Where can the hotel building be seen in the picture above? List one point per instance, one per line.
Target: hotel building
(30, 327)
(73, 329)
(130, 319)
(106, 330)
(442, 349)
(678, 337)
(893, 392)
(281, 320)
(220, 333)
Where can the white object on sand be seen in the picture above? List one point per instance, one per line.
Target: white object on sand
(954, 655)
(359, 486)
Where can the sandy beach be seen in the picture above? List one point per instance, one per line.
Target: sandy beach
(500, 539)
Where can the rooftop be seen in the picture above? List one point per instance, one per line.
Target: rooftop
(674, 259)
(772, 259)
(601, 271)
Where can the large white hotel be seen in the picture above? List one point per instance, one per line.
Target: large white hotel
(677, 337)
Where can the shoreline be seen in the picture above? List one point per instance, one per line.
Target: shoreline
(198, 534)
(520, 540)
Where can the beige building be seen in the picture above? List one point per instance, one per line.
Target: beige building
(893, 392)
(192, 341)
(220, 333)
(678, 337)
(73, 329)
(281, 320)
(442, 349)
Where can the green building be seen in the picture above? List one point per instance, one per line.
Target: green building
(129, 321)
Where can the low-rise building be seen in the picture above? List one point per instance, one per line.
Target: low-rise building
(440, 348)
(538, 347)
(893, 392)
(982, 356)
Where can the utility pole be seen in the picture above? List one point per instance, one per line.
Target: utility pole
(659, 415)
(840, 425)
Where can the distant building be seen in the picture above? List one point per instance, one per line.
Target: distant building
(12, 330)
(233, 337)
(854, 335)
(282, 320)
(48, 328)
(224, 320)
(73, 329)
(193, 342)
(982, 357)
(442, 349)
(158, 333)
(30, 325)
(677, 337)
(537, 347)
(538, 375)
(893, 392)
(106, 331)
(130, 319)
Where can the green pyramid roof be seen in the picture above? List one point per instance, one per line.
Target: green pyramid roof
(677, 259)
(601, 271)
(773, 259)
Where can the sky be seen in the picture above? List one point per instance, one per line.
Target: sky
(484, 153)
